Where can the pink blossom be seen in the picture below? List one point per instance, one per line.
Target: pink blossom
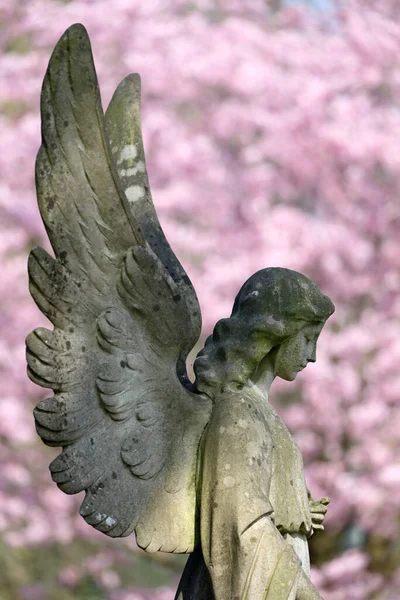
(271, 140)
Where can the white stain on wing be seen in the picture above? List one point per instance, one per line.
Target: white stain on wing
(110, 521)
(139, 168)
(134, 193)
(128, 152)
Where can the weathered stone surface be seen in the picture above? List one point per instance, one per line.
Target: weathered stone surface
(122, 324)
(209, 467)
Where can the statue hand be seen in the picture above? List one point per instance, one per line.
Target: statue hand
(318, 510)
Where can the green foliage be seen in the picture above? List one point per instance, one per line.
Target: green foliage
(26, 572)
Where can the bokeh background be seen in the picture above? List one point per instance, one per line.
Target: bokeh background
(272, 133)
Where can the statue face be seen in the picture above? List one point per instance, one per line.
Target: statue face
(297, 351)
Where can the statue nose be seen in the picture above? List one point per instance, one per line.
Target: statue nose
(313, 356)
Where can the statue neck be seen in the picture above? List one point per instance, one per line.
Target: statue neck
(264, 376)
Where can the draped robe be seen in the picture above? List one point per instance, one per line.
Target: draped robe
(254, 508)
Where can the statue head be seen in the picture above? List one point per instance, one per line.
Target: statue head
(277, 310)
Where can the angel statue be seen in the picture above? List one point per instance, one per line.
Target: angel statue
(206, 468)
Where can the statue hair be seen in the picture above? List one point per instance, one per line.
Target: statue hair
(272, 305)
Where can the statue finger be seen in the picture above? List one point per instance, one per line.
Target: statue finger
(317, 517)
(318, 508)
(317, 528)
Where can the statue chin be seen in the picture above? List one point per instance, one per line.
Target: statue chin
(290, 377)
(287, 375)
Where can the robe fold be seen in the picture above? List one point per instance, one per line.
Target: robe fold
(254, 508)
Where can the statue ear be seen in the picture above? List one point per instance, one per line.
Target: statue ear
(264, 339)
(269, 354)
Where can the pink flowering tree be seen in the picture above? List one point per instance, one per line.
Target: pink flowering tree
(272, 139)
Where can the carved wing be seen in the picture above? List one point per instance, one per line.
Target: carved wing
(123, 321)
(123, 126)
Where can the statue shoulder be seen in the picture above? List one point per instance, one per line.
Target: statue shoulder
(232, 406)
(237, 428)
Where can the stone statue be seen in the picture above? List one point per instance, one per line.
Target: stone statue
(207, 468)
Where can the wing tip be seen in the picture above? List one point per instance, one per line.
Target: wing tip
(74, 40)
(132, 79)
(37, 254)
(128, 90)
(74, 31)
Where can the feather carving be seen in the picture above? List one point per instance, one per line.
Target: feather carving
(124, 312)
